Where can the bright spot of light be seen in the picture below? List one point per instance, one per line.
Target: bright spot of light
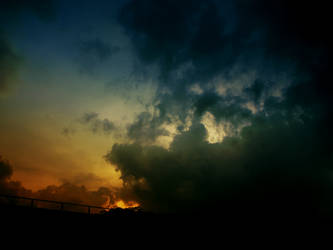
(215, 130)
(122, 204)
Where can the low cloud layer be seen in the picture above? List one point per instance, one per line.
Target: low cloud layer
(69, 191)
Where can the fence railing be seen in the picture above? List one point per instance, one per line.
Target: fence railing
(59, 205)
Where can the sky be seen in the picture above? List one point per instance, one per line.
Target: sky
(172, 105)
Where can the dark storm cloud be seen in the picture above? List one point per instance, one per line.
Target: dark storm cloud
(281, 159)
(169, 32)
(286, 43)
(195, 41)
(275, 164)
(97, 125)
(7, 186)
(215, 32)
(5, 169)
(92, 53)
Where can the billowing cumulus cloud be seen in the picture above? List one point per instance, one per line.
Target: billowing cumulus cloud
(277, 163)
(262, 70)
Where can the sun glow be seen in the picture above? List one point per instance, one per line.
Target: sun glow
(119, 204)
(122, 204)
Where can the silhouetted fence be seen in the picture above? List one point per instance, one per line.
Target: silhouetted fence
(48, 204)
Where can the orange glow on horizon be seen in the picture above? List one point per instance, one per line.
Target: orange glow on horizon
(119, 204)
(124, 205)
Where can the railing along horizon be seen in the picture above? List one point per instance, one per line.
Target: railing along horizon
(32, 202)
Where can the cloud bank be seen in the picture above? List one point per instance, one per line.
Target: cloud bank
(262, 70)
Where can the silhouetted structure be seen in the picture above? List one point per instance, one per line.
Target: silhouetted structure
(59, 205)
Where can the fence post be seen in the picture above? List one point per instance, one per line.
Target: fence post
(88, 210)
(32, 203)
(61, 206)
